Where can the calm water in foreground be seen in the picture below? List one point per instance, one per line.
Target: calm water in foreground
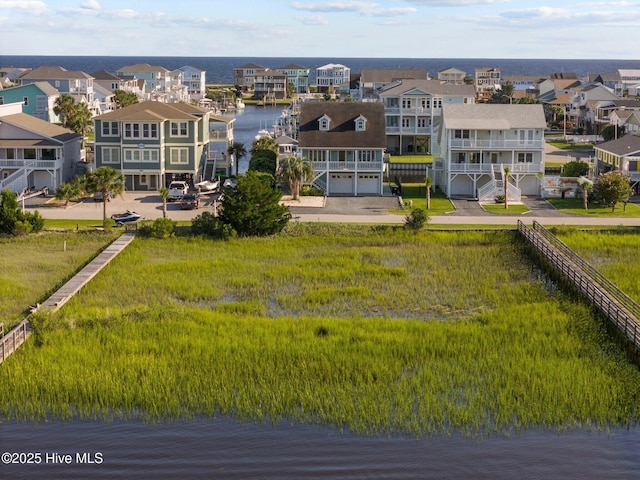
(226, 449)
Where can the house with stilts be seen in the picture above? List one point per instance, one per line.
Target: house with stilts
(482, 145)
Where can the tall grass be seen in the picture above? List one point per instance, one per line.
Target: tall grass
(390, 332)
(32, 267)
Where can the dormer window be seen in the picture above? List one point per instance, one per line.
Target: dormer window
(324, 123)
(361, 124)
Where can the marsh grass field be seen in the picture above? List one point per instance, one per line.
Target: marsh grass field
(369, 330)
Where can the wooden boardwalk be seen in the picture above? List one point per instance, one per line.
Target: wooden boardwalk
(19, 334)
(616, 305)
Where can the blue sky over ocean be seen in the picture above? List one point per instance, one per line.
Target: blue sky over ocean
(318, 28)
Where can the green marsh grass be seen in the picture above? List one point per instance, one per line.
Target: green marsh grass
(426, 334)
(33, 267)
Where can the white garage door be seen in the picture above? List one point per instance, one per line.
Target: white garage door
(341, 184)
(368, 184)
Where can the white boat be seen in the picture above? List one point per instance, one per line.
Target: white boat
(239, 104)
(263, 133)
(208, 185)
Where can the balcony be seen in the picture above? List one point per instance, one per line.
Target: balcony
(515, 168)
(408, 130)
(348, 166)
(33, 164)
(467, 144)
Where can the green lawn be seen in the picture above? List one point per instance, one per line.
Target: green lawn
(575, 207)
(572, 146)
(498, 208)
(416, 193)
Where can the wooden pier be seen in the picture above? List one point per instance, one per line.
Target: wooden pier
(616, 305)
(19, 334)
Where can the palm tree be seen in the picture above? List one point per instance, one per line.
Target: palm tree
(428, 183)
(164, 194)
(64, 106)
(506, 171)
(105, 180)
(79, 119)
(294, 171)
(264, 143)
(586, 186)
(238, 151)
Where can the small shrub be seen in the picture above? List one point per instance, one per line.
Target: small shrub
(416, 220)
(499, 199)
(208, 224)
(159, 228)
(21, 228)
(310, 191)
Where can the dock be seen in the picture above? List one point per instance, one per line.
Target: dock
(21, 332)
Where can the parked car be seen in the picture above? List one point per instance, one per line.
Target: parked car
(177, 189)
(189, 201)
(97, 197)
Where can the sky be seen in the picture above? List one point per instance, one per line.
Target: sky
(323, 28)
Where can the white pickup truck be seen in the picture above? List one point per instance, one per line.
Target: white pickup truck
(177, 190)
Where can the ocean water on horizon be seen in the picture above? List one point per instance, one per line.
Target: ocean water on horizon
(220, 69)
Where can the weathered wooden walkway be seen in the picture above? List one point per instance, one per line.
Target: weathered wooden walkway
(616, 305)
(19, 334)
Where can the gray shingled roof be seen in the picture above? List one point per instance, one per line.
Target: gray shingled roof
(142, 67)
(391, 75)
(627, 145)
(433, 87)
(155, 111)
(342, 133)
(486, 116)
(53, 73)
(40, 127)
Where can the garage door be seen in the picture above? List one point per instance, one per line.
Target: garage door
(341, 184)
(368, 184)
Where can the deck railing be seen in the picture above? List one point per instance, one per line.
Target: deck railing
(12, 340)
(616, 305)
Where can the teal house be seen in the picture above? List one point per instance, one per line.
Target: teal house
(37, 99)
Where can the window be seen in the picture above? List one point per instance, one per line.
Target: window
(525, 157)
(132, 155)
(323, 123)
(143, 179)
(422, 122)
(460, 157)
(392, 121)
(406, 122)
(1, 100)
(317, 155)
(149, 130)
(361, 124)
(461, 134)
(407, 103)
(136, 130)
(366, 155)
(178, 129)
(109, 129)
(127, 130)
(110, 155)
(30, 153)
(56, 84)
(48, 154)
(179, 156)
(11, 153)
(25, 100)
(149, 155)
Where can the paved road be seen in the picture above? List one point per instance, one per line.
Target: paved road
(371, 210)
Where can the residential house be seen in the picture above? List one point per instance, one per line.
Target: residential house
(195, 79)
(550, 88)
(610, 80)
(524, 85)
(604, 108)
(38, 99)
(159, 83)
(452, 76)
(34, 152)
(152, 143)
(333, 78)
(104, 100)
(477, 143)
(286, 146)
(625, 120)
(221, 137)
(487, 80)
(373, 79)
(621, 154)
(244, 77)
(78, 85)
(413, 112)
(297, 76)
(580, 111)
(11, 73)
(112, 82)
(270, 85)
(629, 77)
(346, 143)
